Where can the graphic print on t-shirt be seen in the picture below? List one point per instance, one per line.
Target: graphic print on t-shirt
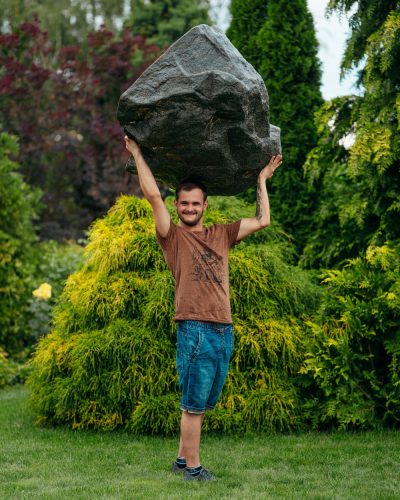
(207, 267)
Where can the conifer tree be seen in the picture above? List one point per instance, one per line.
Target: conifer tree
(281, 43)
(354, 361)
(248, 18)
(355, 165)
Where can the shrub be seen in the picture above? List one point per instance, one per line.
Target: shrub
(352, 361)
(56, 262)
(109, 361)
(19, 205)
(10, 371)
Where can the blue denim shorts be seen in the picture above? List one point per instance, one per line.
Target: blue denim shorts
(202, 358)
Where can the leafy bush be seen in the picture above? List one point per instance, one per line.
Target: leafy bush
(354, 350)
(10, 371)
(55, 263)
(19, 205)
(24, 262)
(109, 361)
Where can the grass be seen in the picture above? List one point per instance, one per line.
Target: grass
(65, 464)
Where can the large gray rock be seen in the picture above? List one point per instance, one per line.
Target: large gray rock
(201, 110)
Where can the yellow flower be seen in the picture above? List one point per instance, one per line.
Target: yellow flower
(43, 292)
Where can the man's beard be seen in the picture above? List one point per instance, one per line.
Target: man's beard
(191, 222)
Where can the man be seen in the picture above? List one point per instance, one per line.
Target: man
(198, 259)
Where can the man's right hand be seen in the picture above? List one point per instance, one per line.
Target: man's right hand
(132, 146)
(149, 188)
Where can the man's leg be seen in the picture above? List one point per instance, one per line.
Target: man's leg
(190, 434)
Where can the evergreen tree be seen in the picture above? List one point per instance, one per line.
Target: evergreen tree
(354, 361)
(355, 165)
(162, 22)
(365, 20)
(283, 48)
(247, 20)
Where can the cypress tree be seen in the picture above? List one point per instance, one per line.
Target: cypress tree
(247, 20)
(282, 46)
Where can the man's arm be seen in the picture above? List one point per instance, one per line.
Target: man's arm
(262, 217)
(149, 188)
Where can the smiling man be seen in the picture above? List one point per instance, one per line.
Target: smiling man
(198, 259)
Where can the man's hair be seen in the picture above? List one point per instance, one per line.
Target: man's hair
(188, 185)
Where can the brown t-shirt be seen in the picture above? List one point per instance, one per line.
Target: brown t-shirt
(198, 261)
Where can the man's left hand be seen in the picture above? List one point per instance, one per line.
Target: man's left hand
(268, 171)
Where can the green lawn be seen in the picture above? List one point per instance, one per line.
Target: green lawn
(64, 464)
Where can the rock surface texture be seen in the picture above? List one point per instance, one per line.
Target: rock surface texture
(201, 110)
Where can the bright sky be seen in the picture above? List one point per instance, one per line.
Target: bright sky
(331, 34)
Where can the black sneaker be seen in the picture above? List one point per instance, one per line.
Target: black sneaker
(176, 469)
(203, 475)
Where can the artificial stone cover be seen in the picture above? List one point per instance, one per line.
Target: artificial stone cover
(201, 110)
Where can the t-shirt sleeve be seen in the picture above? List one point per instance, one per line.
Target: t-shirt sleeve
(232, 230)
(167, 241)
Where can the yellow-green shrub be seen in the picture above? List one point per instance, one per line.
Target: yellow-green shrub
(110, 360)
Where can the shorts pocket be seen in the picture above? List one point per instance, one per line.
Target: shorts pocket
(195, 343)
(190, 340)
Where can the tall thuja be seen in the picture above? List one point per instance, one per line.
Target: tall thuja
(248, 17)
(278, 38)
(355, 165)
(291, 71)
(109, 361)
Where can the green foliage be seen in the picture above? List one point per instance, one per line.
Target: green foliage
(248, 18)
(351, 372)
(70, 22)
(55, 263)
(367, 16)
(10, 371)
(163, 22)
(354, 344)
(24, 263)
(19, 205)
(273, 32)
(355, 166)
(110, 360)
(226, 208)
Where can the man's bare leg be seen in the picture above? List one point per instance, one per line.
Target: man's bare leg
(189, 444)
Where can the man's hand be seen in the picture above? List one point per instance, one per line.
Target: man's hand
(149, 188)
(268, 171)
(262, 217)
(132, 146)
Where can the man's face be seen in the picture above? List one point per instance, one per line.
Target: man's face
(190, 206)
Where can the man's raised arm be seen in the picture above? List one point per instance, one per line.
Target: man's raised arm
(262, 217)
(149, 188)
